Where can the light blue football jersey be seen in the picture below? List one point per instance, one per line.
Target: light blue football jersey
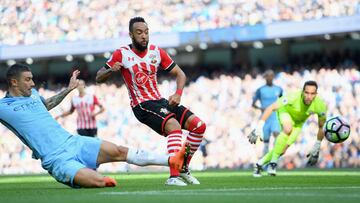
(267, 95)
(28, 119)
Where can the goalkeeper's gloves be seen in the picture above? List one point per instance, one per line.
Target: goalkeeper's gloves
(314, 153)
(257, 132)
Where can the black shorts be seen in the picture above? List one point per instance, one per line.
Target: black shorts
(87, 132)
(155, 113)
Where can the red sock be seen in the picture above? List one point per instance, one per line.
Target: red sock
(174, 139)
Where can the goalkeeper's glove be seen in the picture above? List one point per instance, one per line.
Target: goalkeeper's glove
(257, 132)
(314, 153)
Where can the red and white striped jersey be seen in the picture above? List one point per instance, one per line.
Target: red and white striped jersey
(139, 71)
(85, 107)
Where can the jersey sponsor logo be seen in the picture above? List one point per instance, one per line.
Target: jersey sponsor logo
(27, 106)
(141, 78)
(131, 58)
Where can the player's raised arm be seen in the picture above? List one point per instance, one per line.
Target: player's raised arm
(56, 99)
(180, 83)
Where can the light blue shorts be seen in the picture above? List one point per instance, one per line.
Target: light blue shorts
(271, 126)
(76, 153)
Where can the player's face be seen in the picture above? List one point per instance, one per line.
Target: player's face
(309, 93)
(81, 86)
(25, 83)
(269, 78)
(140, 36)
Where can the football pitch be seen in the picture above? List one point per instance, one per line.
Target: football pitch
(216, 186)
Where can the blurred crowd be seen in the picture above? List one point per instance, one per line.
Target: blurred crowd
(224, 103)
(40, 21)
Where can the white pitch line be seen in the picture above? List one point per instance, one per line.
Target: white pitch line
(253, 192)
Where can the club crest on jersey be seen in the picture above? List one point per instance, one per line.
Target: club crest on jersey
(141, 78)
(152, 58)
(164, 111)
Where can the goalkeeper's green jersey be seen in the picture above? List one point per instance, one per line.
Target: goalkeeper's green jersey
(293, 104)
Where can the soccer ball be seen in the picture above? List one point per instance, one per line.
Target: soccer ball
(336, 129)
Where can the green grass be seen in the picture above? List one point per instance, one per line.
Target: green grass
(216, 186)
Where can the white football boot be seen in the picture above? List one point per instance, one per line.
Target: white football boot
(257, 170)
(175, 181)
(272, 169)
(191, 180)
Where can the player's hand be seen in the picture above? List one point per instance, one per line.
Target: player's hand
(313, 158)
(74, 82)
(257, 133)
(174, 100)
(252, 137)
(314, 154)
(117, 66)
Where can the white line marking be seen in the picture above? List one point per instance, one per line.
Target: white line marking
(250, 192)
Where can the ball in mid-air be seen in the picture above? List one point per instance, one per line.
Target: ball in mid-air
(336, 129)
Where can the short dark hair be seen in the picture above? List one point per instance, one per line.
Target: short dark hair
(135, 20)
(310, 83)
(14, 71)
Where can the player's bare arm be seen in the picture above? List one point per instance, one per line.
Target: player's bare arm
(258, 132)
(56, 99)
(180, 83)
(314, 153)
(67, 113)
(321, 134)
(101, 109)
(104, 73)
(269, 110)
(256, 106)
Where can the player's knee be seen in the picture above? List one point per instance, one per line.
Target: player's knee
(171, 125)
(197, 126)
(287, 129)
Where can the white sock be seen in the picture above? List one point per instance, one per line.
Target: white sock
(266, 148)
(143, 158)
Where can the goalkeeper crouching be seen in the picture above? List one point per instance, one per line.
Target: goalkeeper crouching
(292, 111)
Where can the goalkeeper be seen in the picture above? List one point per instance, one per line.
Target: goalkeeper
(292, 111)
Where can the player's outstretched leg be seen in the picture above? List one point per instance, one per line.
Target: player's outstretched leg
(258, 167)
(196, 129)
(279, 148)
